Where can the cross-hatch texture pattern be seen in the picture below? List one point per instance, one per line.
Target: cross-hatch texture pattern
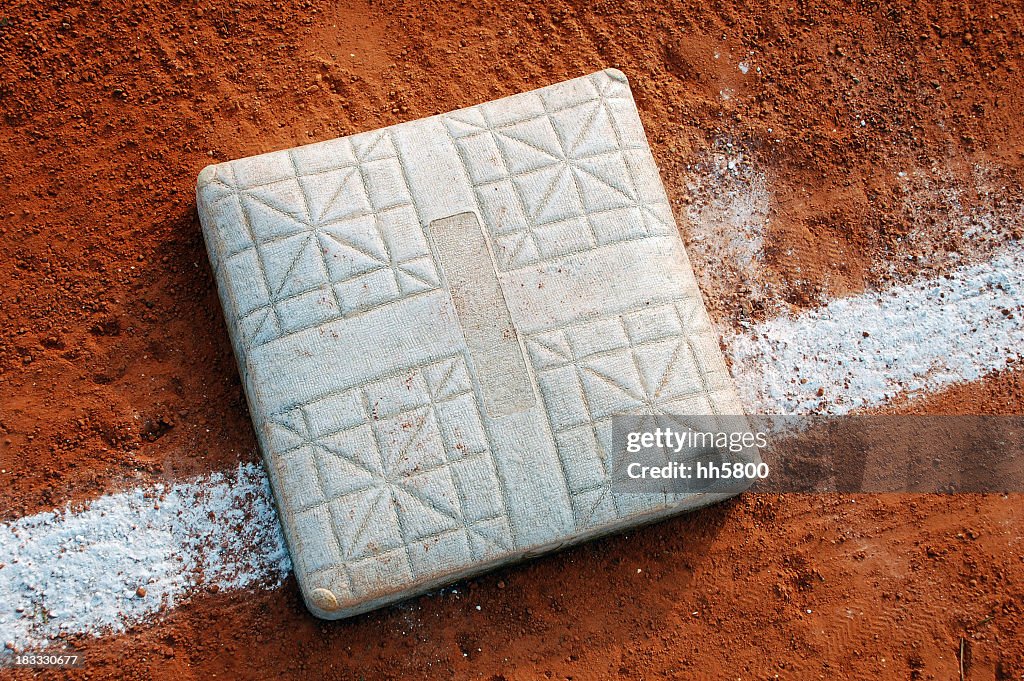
(394, 475)
(362, 357)
(557, 174)
(314, 242)
(647, 362)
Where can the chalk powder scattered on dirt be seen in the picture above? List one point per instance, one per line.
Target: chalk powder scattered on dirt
(886, 140)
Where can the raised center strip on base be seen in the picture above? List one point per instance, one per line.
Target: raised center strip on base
(460, 248)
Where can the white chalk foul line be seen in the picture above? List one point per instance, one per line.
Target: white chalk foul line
(78, 571)
(126, 556)
(862, 351)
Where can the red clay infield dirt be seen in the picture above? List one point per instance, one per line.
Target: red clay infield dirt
(115, 367)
